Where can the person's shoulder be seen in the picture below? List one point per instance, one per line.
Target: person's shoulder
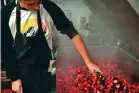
(51, 7)
(48, 3)
(7, 8)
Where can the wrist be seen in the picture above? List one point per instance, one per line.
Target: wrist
(14, 78)
(88, 60)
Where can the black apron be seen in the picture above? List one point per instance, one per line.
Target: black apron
(33, 55)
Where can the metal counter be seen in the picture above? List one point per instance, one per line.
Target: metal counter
(68, 55)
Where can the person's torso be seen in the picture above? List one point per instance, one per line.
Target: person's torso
(29, 24)
(40, 40)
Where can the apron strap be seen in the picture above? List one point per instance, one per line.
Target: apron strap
(18, 18)
(20, 40)
(39, 21)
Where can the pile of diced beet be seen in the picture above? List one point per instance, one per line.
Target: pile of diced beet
(78, 79)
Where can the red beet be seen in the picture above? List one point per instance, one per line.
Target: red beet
(78, 79)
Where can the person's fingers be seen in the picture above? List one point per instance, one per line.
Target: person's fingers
(14, 91)
(93, 73)
(21, 90)
(17, 91)
(101, 72)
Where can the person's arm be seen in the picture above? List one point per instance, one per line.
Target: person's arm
(8, 54)
(80, 46)
(65, 26)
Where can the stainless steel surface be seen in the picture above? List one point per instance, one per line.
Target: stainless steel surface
(67, 56)
(135, 5)
(118, 15)
(113, 19)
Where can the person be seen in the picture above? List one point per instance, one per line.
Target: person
(27, 30)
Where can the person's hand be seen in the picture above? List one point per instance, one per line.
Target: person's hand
(94, 68)
(17, 86)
